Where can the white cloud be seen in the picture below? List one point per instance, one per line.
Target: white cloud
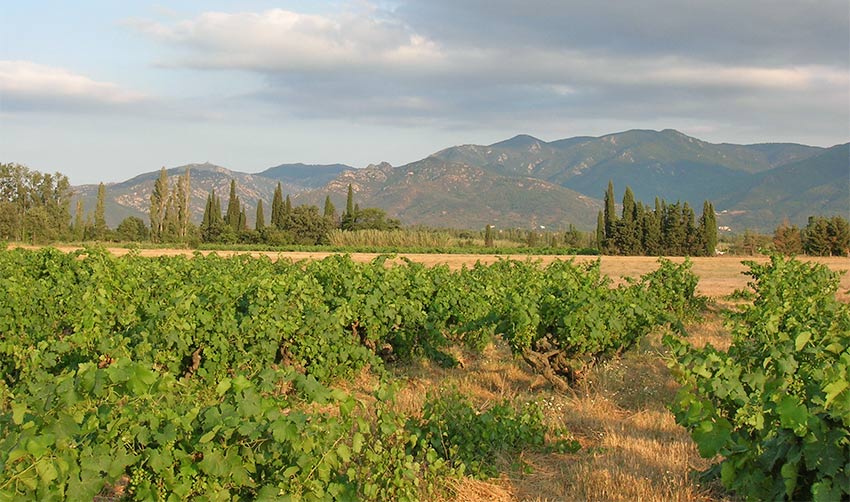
(291, 45)
(473, 62)
(24, 84)
(281, 40)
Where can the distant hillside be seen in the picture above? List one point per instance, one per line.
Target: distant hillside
(527, 182)
(438, 193)
(132, 197)
(816, 185)
(304, 177)
(667, 164)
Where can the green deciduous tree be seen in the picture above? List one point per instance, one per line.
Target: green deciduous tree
(787, 239)
(34, 206)
(132, 229)
(307, 226)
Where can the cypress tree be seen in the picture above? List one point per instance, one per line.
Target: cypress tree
(628, 205)
(260, 223)
(243, 220)
(839, 236)
(816, 237)
(216, 213)
(652, 231)
(638, 221)
(708, 229)
(692, 244)
(277, 208)
(488, 236)
(674, 231)
(287, 206)
(349, 201)
(206, 221)
(610, 211)
(348, 217)
(233, 207)
(600, 231)
(329, 209)
(628, 238)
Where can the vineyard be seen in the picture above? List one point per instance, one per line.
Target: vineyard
(230, 378)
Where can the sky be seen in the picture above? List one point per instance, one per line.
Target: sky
(103, 90)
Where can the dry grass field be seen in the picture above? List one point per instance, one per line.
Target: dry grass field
(632, 449)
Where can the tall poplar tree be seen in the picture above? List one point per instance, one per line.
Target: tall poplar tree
(159, 202)
(100, 213)
(171, 221)
(183, 207)
(79, 224)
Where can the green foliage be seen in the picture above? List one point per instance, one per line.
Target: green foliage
(565, 318)
(787, 239)
(668, 230)
(398, 239)
(132, 229)
(159, 203)
(672, 288)
(248, 436)
(205, 375)
(471, 439)
(34, 206)
(826, 236)
(776, 405)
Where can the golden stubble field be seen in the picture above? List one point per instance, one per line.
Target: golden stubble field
(632, 449)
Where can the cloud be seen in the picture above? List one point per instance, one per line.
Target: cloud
(755, 32)
(501, 63)
(25, 85)
(278, 40)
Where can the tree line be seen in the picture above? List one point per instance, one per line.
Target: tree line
(665, 229)
(820, 237)
(288, 224)
(35, 207)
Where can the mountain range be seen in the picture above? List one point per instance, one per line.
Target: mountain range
(527, 182)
